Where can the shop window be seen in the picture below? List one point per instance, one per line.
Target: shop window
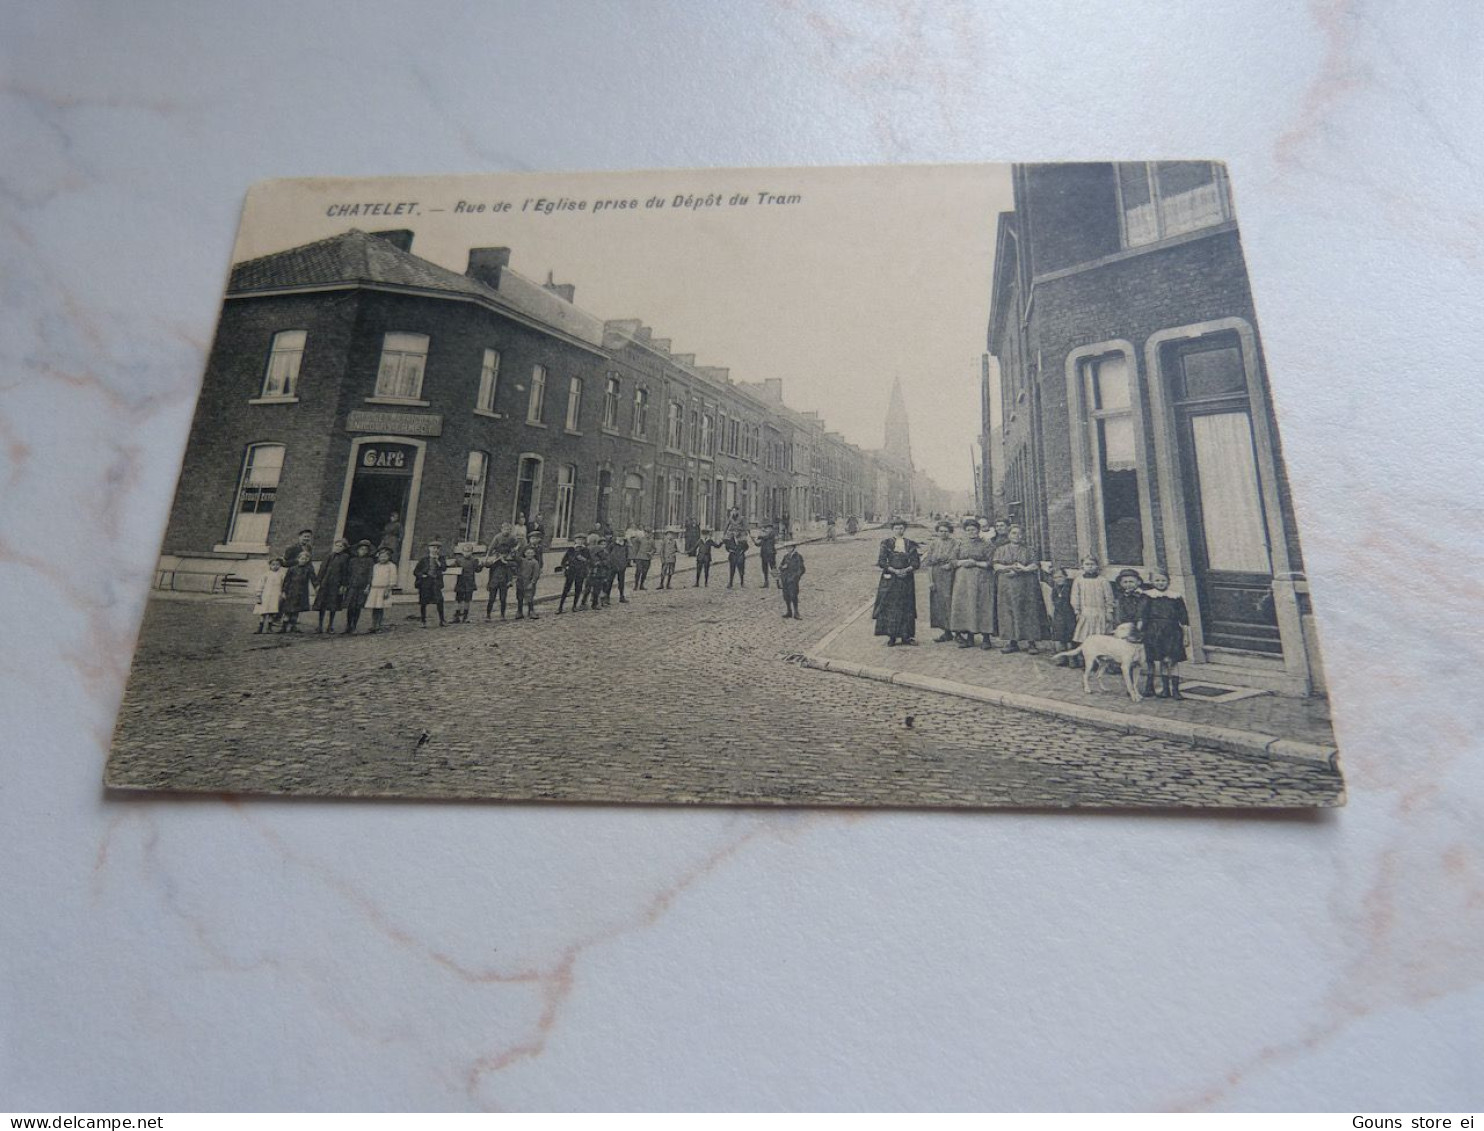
(284, 359)
(256, 492)
(404, 357)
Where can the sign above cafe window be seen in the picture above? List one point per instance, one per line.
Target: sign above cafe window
(395, 423)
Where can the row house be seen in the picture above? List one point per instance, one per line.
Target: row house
(1135, 420)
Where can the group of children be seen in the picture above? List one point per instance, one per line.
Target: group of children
(1091, 605)
(351, 579)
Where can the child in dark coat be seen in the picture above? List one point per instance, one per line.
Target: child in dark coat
(1063, 616)
(501, 567)
(1162, 623)
(527, 574)
(296, 581)
(329, 584)
(357, 584)
(573, 569)
(790, 570)
(428, 575)
(463, 585)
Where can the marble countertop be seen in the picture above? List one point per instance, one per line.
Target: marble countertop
(200, 954)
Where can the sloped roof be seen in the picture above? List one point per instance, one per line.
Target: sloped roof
(357, 257)
(351, 257)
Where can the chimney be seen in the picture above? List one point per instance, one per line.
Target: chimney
(661, 344)
(486, 263)
(774, 385)
(398, 237)
(562, 290)
(685, 359)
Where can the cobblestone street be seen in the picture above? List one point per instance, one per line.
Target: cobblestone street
(692, 695)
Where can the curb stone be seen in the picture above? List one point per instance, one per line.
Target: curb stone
(1229, 739)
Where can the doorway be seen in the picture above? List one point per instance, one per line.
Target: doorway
(1226, 520)
(380, 487)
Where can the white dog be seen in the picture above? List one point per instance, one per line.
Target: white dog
(1097, 650)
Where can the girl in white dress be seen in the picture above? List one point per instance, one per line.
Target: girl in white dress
(270, 596)
(1093, 601)
(383, 580)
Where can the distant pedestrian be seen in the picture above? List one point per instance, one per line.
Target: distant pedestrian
(296, 582)
(736, 544)
(527, 575)
(896, 589)
(669, 551)
(641, 550)
(329, 584)
(428, 576)
(1063, 616)
(703, 548)
(692, 535)
(767, 552)
(357, 584)
(383, 581)
(463, 585)
(1163, 621)
(270, 596)
(790, 571)
(938, 561)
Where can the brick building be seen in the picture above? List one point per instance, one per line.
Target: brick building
(1135, 419)
(350, 379)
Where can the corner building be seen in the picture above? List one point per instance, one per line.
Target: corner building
(1136, 423)
(350, 379)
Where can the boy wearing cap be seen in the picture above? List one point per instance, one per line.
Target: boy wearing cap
(642, 552)
(703, 556)
(767, 553)
(669, 550)
(357, 584)
(428, 576)
(790, 569)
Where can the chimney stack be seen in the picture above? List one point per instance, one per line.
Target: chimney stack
(397, 237)
(486, 263)
(561, 290)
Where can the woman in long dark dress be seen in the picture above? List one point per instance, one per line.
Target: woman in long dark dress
(896, 592)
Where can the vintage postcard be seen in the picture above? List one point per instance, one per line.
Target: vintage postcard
(945, 486)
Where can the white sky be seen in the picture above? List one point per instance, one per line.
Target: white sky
(876, 273)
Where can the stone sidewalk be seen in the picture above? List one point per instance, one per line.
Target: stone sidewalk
(1265, 724)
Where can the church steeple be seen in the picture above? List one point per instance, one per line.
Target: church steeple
(898, 433)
